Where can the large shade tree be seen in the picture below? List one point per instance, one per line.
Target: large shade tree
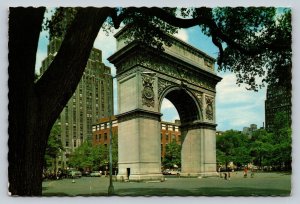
(241, 34)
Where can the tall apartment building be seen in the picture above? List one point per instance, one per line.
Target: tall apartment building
(169, 132)
(277, 100)
(93, 99)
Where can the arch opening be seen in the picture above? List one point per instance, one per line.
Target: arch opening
(182, 105)
(186, 106)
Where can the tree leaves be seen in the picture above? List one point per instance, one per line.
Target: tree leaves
(263, 148)
(172, 156)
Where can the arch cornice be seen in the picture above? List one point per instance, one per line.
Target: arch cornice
(198, 125)
(161, 62)
(138, 113)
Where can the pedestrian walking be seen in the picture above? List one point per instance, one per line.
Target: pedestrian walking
(219, 170)
(245, 172)
(225, 176)
(252, 173)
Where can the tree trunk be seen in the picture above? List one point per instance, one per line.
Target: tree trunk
(33, 108)
(26, 132)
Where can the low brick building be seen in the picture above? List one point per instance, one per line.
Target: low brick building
(169, 132)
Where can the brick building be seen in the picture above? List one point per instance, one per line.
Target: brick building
(169, 132)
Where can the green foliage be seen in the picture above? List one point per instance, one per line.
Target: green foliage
(88, 156)
(263, 148)
(54, 145)
(282, 140)
(60, 21)
(149, 29)
(233, 146)
(94, 157)
(253, 41)
(259, 45)
(172, 156)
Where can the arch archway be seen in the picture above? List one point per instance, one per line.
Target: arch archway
(183, 75)
(184, 102)
(198, 137)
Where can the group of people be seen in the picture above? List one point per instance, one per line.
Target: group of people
(227, 174)
(246, 172)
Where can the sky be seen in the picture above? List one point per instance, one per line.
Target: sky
(236, 107)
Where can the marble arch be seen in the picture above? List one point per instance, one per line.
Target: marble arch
(185, 76)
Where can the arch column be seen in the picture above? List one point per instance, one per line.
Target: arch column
(198, 154)
(139, 153)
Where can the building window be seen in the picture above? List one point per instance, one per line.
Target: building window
(105, 136)
(75, 143)
(167, 137)
(67, 143)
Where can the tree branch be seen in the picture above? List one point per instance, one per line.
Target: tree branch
(60, 80)
(204, 17)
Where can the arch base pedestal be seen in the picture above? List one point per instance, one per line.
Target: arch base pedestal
(141, 177)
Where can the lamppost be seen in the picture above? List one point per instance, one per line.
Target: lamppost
(111, 186)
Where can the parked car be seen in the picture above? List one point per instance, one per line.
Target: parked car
(95, 174)
(174, 172)
(85, 173)
(166, 172)
(75, 174)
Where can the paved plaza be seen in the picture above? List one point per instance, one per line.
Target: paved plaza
(263, 184)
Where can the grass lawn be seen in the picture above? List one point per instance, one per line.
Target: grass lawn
(263, 184)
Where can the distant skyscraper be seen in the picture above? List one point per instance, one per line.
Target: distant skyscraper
(93, 98)
(278, 100)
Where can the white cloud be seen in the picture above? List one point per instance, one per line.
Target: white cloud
(107, 44)
(239, 116)
(228, 92)
(169, 111)
(182, 35)
(237, 107)
(166, 104)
